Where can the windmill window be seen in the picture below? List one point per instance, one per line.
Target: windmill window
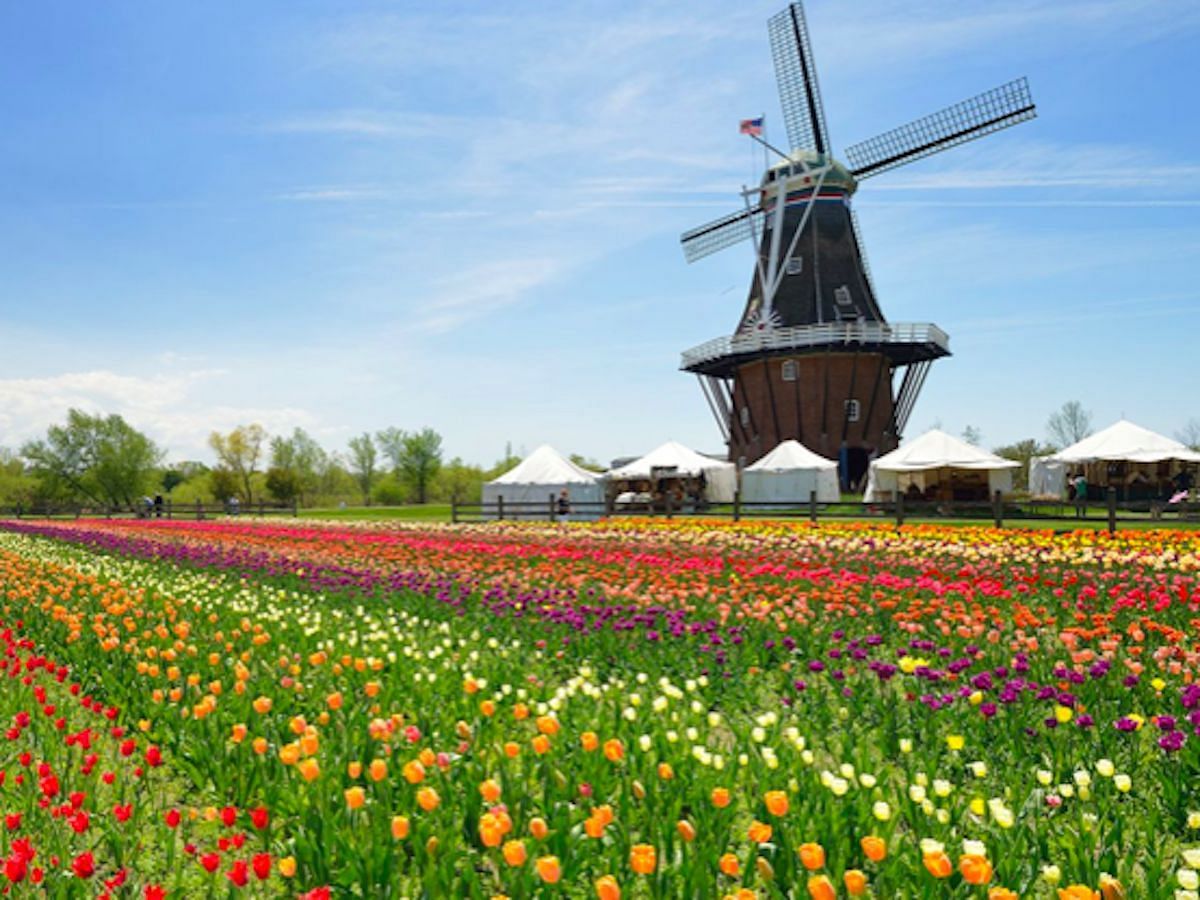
(789, 370)
(841, 296)
(851, 410)
(795, 265)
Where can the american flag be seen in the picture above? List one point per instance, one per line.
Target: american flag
(751, 126)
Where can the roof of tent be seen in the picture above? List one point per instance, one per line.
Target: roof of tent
(684, 459)
(791, 454)
(938, 450)
(545, 465)
(1125, 441)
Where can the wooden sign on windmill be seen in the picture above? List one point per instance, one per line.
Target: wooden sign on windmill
(813, 358)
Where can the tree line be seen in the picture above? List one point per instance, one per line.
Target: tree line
(103, 461)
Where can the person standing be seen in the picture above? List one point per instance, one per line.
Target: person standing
(1081, 496)
(564, 505)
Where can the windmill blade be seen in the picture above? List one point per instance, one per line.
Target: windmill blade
(991, 111)
(796, 73)
(720, 233)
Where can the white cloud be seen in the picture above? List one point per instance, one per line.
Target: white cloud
(163, 406)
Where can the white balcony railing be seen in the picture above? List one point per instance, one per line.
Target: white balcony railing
(804, 337)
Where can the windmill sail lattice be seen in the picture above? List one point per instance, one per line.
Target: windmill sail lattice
(813, 357)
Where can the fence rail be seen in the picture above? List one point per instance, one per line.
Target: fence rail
(996, 510)
(168, 510)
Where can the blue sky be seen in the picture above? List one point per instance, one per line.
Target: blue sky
(346, 216)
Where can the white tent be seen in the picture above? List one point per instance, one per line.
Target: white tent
(720, 478)
(1125, 442)
(931, 459)
(1047, 477)
(789, 473)
(543, 473)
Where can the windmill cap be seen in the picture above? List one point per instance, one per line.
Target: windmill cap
(838, 175)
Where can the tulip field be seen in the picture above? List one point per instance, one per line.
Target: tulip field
(633, 709)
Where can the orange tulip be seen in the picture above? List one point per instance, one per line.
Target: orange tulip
(428, 799)
(487, 708)
(549, 869)
(874, 848)
(1078, 892)
(414, 772)
(1001, 893)
(614, 750)
(607, 888)
(856, 882)
(355, 797)
(514, 853)
(759, 832)
(512, 749)
(538, 827)
(975, 869)
(377, 770)
(821, 888)
(520, 711)
(492, 828)
(686, 830)
(309, 769)
(729, 865)
(547, 725)
(720, 797)
(812, 856)
(665, 772)
(938, 865)
(589, 741)
(777, 803)
(643, 859)
(1110, 888)
(399, 827)
(541, 745)
(489, 790)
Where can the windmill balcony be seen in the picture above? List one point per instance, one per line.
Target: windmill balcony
(903, 342)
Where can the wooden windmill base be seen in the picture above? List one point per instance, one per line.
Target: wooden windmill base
(838, 404)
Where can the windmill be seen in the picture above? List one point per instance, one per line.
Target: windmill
(813, 358)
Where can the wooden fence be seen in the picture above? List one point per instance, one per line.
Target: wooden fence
(995, 511)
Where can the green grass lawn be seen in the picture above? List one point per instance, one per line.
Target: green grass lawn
(429, 512)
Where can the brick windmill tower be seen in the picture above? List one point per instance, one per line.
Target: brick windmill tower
(813, 358)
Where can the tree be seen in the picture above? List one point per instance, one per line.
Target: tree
(459, 482)
(238, 452)
(1023, 452)
(1070, 424)
(102, 459)
(585, 462)
(391, 445)
(420, 461)
(972, 435)
(283, 484)
(171, 479)
(305, 458)
(17, 486)
(1189, 434)
(222, 483)
(363, 457)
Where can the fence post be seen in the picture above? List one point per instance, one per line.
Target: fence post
(899, 508)
(610, 501)
(812, 506)
(453, 510)
(199, 511)
(998, 509)
(1112, 510)
(737, 505)
(500, 507)
(550, 507)
(295, 507)
(669, 504)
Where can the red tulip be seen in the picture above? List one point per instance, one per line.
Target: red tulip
(84, 865)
